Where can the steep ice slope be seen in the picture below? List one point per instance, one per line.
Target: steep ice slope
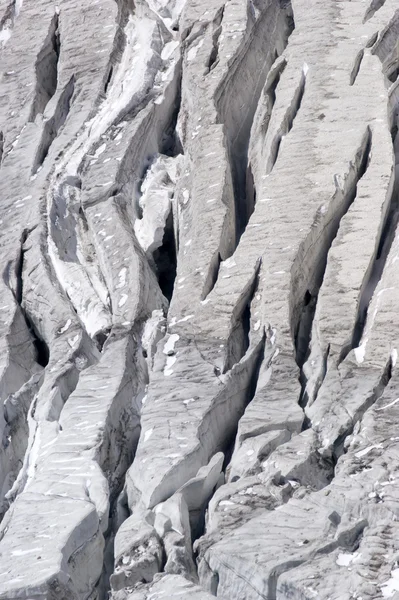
(199, 299)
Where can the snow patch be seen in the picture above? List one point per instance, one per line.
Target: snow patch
(389, 587)
(73, 341)
(367, 450)
(122, 278)
(148, 434)
(123, 300)
(183, 320)
(23, 552)
(186, 402)
(170, 344)
(229, 263)
(388, 405)
(168, 49)
(346, 559)
(360, 352)
(66, 326)
(100, 150)
(170, 361)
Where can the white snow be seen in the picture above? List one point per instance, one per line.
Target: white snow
(229, 263)
(123, 300)
(148, 434)
(122, 278)
(184, 319)
(29, 551)
(168, 49)
(72, 341)
(388, 405)
(170, 344)
(5, 35)
(389, 587)
(186, 402)
(360, 351)
(66, 326)
(170, 361)
(346, 559)
(367, 450)
(100, 150)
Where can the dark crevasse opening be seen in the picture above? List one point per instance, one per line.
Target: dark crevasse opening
(54, 124)
(302, 338)
(237, 105)
(165, 259)
(41, 348)
(47, 70)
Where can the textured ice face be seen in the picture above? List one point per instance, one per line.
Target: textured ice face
(198, 302)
